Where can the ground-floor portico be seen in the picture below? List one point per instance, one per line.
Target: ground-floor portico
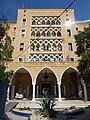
(30, 79)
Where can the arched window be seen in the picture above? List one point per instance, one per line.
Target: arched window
(48, 47)
(53, 22)
(43, 34)
(38, 22)
(48, 22)
(43, 22)
(32, 47)
(54, 46)
(38, 34)
(58, 22)
(53, 34)
(33, 22)
(59, 34)
(38, 47)
(48, 34)
(33, 34)
(59, 47)
(44, 47)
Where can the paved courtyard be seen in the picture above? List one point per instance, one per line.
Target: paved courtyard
(59, 106)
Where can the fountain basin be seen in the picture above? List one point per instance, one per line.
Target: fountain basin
(21, 113)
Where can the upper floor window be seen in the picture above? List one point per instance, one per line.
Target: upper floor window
(67, 19)
(43, 22)
(58, 34)
(48, 34)
(58, 22)
(38, 34)
(68, 32)
(20, 59)
(33, 22)
(23, 21)
(21, 46)
(14, 29)
(33, 34)
(53, 34)
(76, 28)
(13, 38)
(66, 10)
(71, 59)
(38, 22)
(48, 22)
(43, 34)
(23, 33)
(53, 22)
(68, 22)
(70, 48)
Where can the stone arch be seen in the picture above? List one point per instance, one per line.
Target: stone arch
(33, 34)
(58, 34)
(58, 22)
(22, 83)
(43, 22)
(48, 34)
(32, 47)
(33, 22)
(53, 22)
(23, 68)
(43, 34)
(37, 46)
(48, 22)
(37, 34)
(53, 33)
(46, 77)
(67, 69)
(69, 83)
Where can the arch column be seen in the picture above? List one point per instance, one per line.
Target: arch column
(59, 91)
(12, 91)
(8, 92)
(85, 90)
(33, 96)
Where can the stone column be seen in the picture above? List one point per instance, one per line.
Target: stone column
(55, 90)
(28, 87)
(8, 92)
(37, 90)
(80, 91)
(85, 91)
(12, 91)
(33, 97)
(59, 91)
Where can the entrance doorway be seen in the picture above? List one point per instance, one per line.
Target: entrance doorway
(46, 79)
(46, 85)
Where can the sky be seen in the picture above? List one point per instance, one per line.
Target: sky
(9, 7)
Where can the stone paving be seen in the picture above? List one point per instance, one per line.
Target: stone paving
(59, 105)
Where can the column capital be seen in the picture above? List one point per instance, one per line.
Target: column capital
(33, 83)
(59, 82)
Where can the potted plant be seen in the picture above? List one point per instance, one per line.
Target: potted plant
(47, 105)
(6, 50)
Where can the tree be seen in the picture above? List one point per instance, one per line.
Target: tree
(83, 41)
(83, 51)
(84, 67)
(6, 50)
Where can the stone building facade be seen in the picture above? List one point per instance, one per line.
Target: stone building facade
(44, 53)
